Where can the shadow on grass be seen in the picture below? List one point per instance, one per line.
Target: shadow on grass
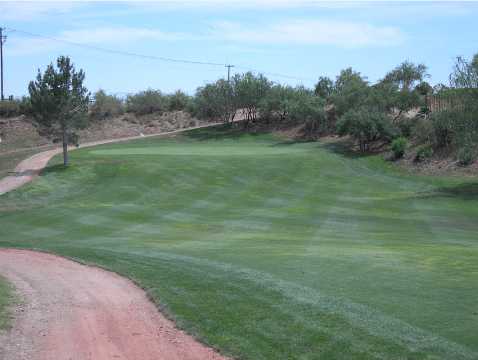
(466, 191)
(54, 169)
(294, 142)
(222, 132)
(345, 147)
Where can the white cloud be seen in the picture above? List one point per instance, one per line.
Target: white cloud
(311, 32)
(104, 35)
(100, 36)
(33, 10)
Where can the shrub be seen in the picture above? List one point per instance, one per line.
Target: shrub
(424, 152)
(146, 102)
(276, 104)
(105, 106)
(9, 108)
(350, 91)
(466, 155)
(399, 145)
(442, 123)
(423, 131)
(366, 126)
(305, 107)
(178, 101)
(214, 102)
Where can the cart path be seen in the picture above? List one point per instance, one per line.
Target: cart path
(79, 312)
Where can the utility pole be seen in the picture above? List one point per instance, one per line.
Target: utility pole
(2, 40)
(229, 71)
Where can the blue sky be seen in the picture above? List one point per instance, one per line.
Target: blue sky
(301, 39)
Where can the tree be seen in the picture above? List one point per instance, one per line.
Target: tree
(105, 106)
(249, 90)
(178, 101)
(424, 88)
(216, 101)
(365, 125)
(146, 102)
(276, 104)
(407, 78)
(465, 73)
(407, 75)
(351, 90)
(59, 101)
(324, 87)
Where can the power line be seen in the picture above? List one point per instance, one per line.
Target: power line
(160, 58)
(118, 52)
(276, 74)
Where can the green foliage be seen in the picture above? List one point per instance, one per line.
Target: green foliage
(443, 127)
(248, 91)
(106, 106)
(215, 101)
(305, 107)
(59, 101)
(277, 103)
(399, 145)
(424, 88)
(296, 105)
(365, 126)
(9, 108)
(406, 75)
(15, 107)
(423, 131)
(466, 155)
(351, 91)
(465, 73)
(178, 101)
(146, 102)
(424, 152)
(324, 87)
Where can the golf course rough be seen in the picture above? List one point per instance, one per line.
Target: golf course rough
(269, 249)
(6, 300)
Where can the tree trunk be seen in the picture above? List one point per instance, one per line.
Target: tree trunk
(65, 148)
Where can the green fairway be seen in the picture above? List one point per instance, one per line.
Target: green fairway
(269, 249)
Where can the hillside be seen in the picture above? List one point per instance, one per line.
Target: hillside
(20, 139)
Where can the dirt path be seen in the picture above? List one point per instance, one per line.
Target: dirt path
(77, 312)
(31, 167)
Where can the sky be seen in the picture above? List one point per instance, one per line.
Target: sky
(292, 42)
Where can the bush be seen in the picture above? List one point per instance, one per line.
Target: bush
(423, 131)
(399, 145)
(442, 123)
(146, 102)
(305, 107)
(105, 106)
(214, 102)
(9, 108)
(466, 155)
(178, 101)
(276, 104)
(366, 126)
(424, 152)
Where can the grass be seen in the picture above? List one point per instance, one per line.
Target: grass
(269, 249)
(6, 299)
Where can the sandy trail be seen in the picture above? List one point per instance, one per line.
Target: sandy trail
(32, 166)
(77, 312)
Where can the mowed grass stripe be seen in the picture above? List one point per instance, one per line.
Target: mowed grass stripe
(271, 249)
